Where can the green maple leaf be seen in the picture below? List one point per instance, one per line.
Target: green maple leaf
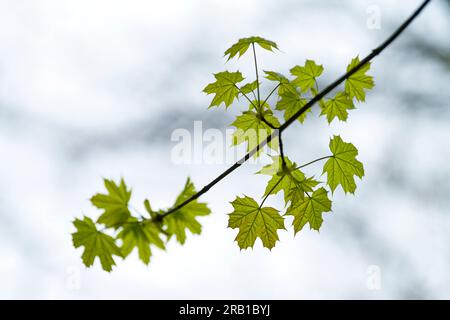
(291, 103)
(225, 88)
(252, 129)
(140, 235)
(185, 218)
(114, 204)
(255, 222)
(249, 87)
(95, 243)
(289, 179)
(337, 107)
(284, 84)
(343, 165)
(309, 210)
(243, 44)
(306, 75)
(357, 82)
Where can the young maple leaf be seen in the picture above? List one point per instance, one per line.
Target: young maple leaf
(337, 107)
(243, 44)
(289, 179)
(290, 103)
(114, 204)
(284, 85)
(343, 165)
(306, 75)
(255, 222)
(185, 218)
(249, 87)
(251, 128)
(225, 88)
(95, 243)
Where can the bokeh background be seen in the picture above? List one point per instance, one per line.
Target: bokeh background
(92, 89)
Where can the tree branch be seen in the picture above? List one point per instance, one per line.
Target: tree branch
(305, 108)
(280, 141)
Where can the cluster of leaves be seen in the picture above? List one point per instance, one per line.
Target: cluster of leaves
(117, 231)
(306, 199)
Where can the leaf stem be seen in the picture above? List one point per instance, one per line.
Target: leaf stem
(271, 92)
(257, 76)
(137, 211)
(311, 162)
(270, 191)
(251, 102)
(120, 224)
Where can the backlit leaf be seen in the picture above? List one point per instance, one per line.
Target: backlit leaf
(240, 47)
(224, 88)
(255, 222)
(95, 243)
(290, 103)
(249, 87)
(343, 165)
(284, 84)
(359, 81)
